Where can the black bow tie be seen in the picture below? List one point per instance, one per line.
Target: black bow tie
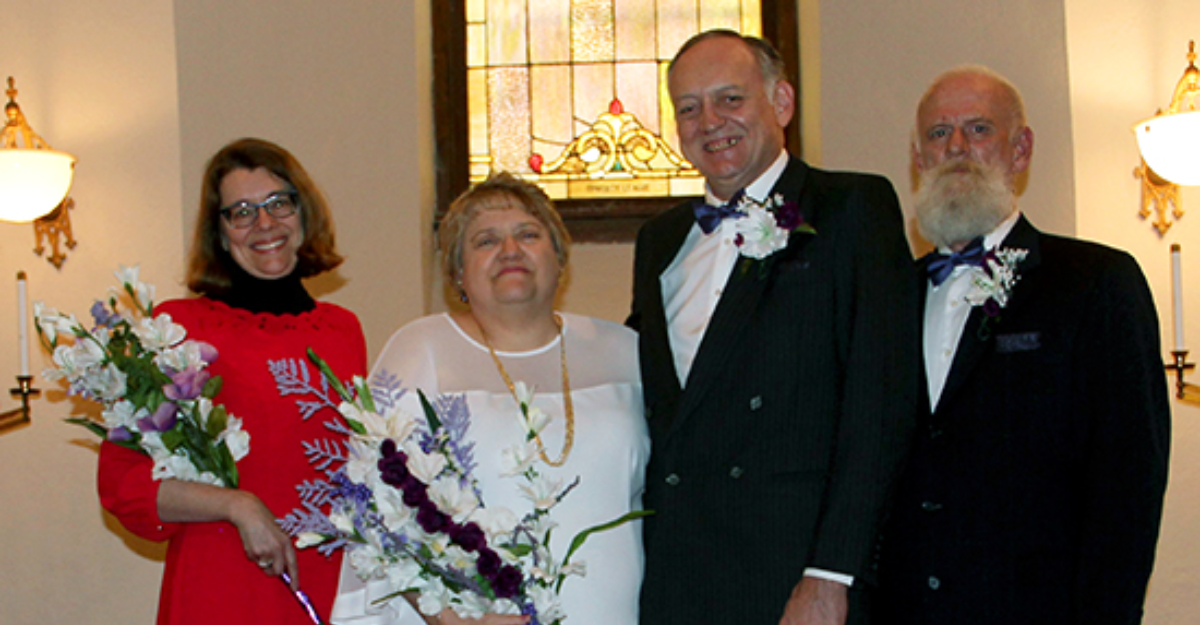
(709, 217)
(942, 265)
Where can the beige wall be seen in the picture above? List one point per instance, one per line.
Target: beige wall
(143, 91)
(1126, 57)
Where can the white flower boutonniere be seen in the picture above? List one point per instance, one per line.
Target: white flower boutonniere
(992, 284)
(765, 227)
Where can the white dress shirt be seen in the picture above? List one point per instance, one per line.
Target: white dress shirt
(946, 313)
(692, 286)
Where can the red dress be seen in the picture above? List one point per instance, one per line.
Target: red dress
(208, 578)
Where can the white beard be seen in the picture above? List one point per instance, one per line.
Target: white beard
(954, 207)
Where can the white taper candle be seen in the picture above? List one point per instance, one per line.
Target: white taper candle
(23, 323)
(1177, 295)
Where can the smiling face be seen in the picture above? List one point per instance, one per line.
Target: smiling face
(267, 249)
(731, 126)
(508, 258)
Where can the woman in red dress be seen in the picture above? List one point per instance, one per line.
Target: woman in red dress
(263, 226)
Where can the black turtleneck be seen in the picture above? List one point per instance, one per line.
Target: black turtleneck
(285, 295)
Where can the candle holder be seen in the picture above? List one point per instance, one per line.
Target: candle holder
(19, 416)
(1182, 387)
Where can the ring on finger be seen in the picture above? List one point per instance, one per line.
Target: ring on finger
(263, 564)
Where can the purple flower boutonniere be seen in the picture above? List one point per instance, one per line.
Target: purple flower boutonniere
(993, 282)
(764, 227)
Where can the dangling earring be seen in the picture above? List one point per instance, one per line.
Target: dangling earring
(462, 293)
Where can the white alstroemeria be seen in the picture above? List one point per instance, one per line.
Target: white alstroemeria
(403, 576)
(181, 357)
(159, 333)
(45, 317)
(362, 464)
(342, 521)
(389, 502)
(517, 460)
(495, 521)
(534, 421)
(422, 465)
(236, 439)
(174, 466)
(454, 500)
(396, 423)
(305, 540)
(472, 606)
(106, 383)
(433, 598)
(760, 235)
(523, 393)
(367, 562)
(542, 491)
(127, 276)
(120, 414)
(995, 280)
(68, 365)
(546, 602)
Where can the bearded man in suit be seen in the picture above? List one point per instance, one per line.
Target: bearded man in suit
(779, 359)
(1035, 488)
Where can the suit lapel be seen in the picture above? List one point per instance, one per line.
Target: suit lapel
(673, 234)
(741, 296)
(972, 346)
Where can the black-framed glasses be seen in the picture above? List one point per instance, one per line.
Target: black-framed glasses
(243, 214)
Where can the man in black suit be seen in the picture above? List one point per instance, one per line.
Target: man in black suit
(1035, 488)
(778, 354)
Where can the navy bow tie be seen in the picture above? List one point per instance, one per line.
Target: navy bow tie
(942, 265)
(709, 217)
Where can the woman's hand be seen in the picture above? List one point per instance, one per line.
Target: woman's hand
(264, 543)
(450, 618)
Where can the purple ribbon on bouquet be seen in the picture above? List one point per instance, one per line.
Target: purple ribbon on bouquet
(302, 597)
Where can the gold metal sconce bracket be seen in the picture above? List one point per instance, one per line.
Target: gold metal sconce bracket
(1160, 198)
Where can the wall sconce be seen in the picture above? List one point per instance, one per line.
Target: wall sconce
(34, 181)
(1170, 147)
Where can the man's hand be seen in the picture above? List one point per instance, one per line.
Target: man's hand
(816, 601)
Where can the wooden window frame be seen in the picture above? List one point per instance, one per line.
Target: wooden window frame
(589, 220)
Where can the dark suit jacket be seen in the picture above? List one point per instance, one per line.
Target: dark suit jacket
(1035, 489)
(778, 453)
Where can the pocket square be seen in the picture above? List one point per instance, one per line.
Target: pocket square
(1018, 342)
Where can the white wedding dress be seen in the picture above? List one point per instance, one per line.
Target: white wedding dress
(609, 454)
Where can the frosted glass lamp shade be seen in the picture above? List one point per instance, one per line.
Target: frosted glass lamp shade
(33, 182)
(1170, 144)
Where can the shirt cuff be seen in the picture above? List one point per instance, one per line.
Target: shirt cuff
(840, 578)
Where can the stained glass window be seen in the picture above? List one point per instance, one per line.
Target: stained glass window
(572, 94)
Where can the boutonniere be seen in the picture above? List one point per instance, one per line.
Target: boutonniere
(764, 227)
(992, 284)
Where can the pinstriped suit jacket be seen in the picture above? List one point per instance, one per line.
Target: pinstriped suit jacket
(779, 452)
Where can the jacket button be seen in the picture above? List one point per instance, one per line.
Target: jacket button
(756, 403)
(736, 472)
(934, 583)
(930, 506)
(672, 479)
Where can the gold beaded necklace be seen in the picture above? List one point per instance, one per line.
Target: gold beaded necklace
(566, 386)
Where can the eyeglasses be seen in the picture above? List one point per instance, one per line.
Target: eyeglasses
(243, 214)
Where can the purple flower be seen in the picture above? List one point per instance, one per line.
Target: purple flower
(163, 418)
(103, 316)
(788, 216)
(414, 491)
(431, 519)
(468, 536)
(186, 385)
(488, 564)
(119, 434)
(507, 582)
(208, 352)
(991, 308)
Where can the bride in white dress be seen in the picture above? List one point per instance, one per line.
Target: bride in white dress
(504, 248)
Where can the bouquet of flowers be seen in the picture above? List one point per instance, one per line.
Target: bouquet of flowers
(152, 381)
(401, 497)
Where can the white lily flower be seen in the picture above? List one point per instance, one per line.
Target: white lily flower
(127, 275)
(342, 522)
(422, 465)
(523, 393)
(120, 414)
(517, 460)
(308, 539)
(107, 383)
(459, 503)
(495, 521)
(543, 492)
(159, 333)
(433, 598)
(534, 421)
